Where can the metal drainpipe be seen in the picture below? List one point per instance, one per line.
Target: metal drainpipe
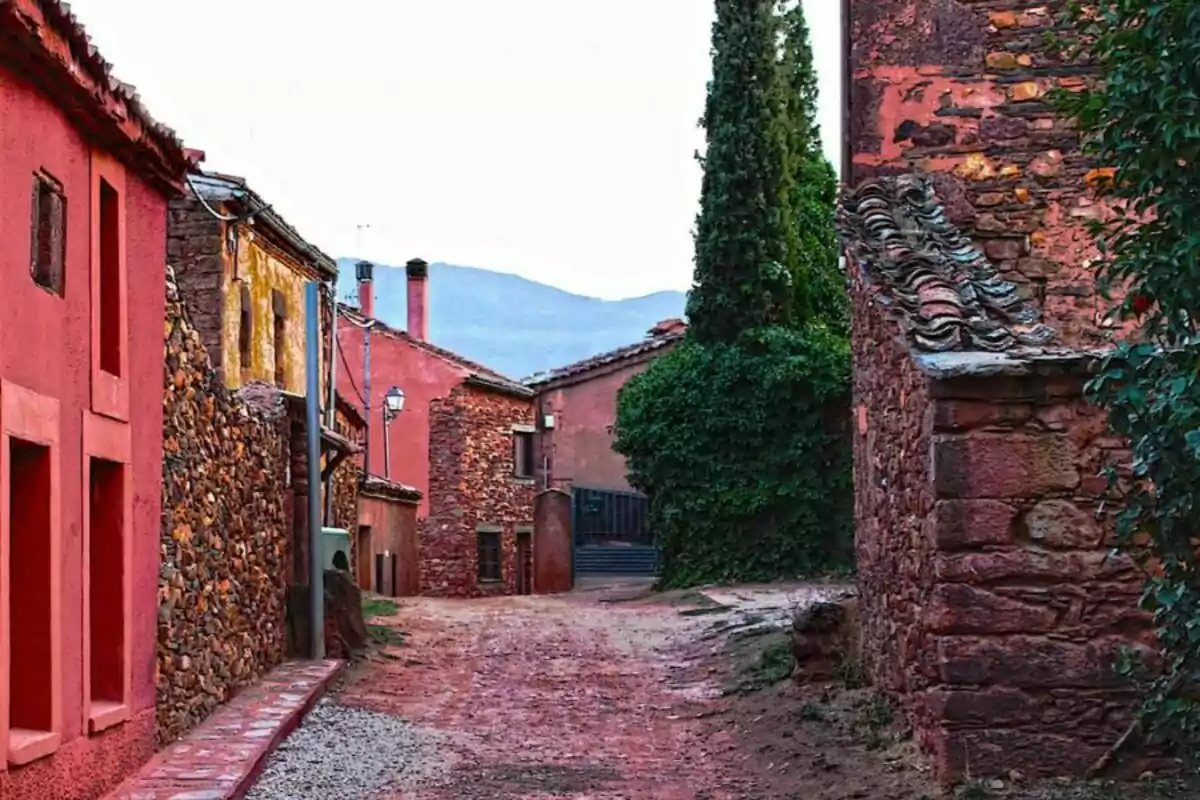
(316, 566)
(331, 409)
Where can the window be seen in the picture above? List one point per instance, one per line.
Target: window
(48, 234)
(110, 279)
(279, 311)
(523, 453)
(106, 593)
(245, 331)
(488, 556)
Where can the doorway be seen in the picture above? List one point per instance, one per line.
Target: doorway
(362, 552)
(524, 562)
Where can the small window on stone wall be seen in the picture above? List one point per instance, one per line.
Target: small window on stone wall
(524, 462)
(48, 234)
(245, 330)
(488, 556)
(279, 311)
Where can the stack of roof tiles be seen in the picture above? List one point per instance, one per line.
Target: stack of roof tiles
(949, 295)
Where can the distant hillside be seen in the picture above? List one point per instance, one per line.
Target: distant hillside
(510, 324)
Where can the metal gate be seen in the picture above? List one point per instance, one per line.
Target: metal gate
(611, 533)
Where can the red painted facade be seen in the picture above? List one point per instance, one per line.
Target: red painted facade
(396, 360)
(80, 414)
(577, 450)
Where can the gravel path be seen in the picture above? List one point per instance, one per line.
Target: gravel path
(342, 753)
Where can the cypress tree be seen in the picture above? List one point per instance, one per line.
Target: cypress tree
(741, 280)
(810, 184)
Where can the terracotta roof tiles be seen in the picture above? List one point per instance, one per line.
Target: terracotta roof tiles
(949, 295)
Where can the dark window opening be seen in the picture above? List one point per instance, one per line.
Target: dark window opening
(279, 310)
(524, 464)
(49, 234)
(245, 330)
(106, 579)
(488, 556)
(31, 695)
(110, 279)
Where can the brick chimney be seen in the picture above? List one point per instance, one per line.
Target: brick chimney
(365, 272)
(418, 299)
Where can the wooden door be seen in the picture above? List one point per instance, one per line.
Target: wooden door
(362, 551)
(524, 563)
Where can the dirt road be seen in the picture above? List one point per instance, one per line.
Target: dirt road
(552, 697)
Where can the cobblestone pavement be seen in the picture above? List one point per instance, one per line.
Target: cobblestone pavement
(554, 697)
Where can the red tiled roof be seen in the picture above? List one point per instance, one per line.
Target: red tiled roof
(662, 335)
(44, 42)
(480, 375)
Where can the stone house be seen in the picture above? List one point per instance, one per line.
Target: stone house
(464, 442)
(242, 271)
(83, 208)
(576, 413)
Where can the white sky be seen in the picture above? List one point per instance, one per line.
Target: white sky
(550, 138)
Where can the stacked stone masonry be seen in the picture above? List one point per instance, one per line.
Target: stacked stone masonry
(959, 89)
(991, 603)
(472, 484)
(225, 533)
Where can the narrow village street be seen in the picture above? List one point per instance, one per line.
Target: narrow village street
(601, 693)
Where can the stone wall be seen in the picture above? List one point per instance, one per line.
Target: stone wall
(471, 483)
(196, 249)
(958, 88)
(893, 498)
(991, 605)
(225, 532)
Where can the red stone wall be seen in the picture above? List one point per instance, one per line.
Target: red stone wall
(991, 605)
(893, 499)
(471, 483)
(958, 88)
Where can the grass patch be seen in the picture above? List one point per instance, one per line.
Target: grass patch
(762, 661)
(376, 606)
(385, 635)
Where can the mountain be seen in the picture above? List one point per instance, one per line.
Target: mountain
(511, 324)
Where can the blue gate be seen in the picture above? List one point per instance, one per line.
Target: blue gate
(611, 533)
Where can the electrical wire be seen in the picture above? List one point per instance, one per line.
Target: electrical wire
(349, 374)
(203, 202)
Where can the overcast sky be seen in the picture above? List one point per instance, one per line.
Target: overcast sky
(550, 138)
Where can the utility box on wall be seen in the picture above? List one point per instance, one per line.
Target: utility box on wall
(334, 541)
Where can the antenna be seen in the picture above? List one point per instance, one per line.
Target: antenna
(358, 244)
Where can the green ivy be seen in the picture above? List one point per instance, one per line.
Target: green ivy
(1143, 121)
(744, 451)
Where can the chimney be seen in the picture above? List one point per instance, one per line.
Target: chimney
(365, 272)
(667, 326)
(418, 299)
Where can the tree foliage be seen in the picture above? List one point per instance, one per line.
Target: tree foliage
(811, 185)
(739, 436)
(744, 452)
(1142, 121)
(740, 280)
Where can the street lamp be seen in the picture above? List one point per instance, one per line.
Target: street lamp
(393, 404)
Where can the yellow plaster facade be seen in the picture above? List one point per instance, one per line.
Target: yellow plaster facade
(274, 283)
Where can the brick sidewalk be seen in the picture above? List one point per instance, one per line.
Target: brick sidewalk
(220, 758)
